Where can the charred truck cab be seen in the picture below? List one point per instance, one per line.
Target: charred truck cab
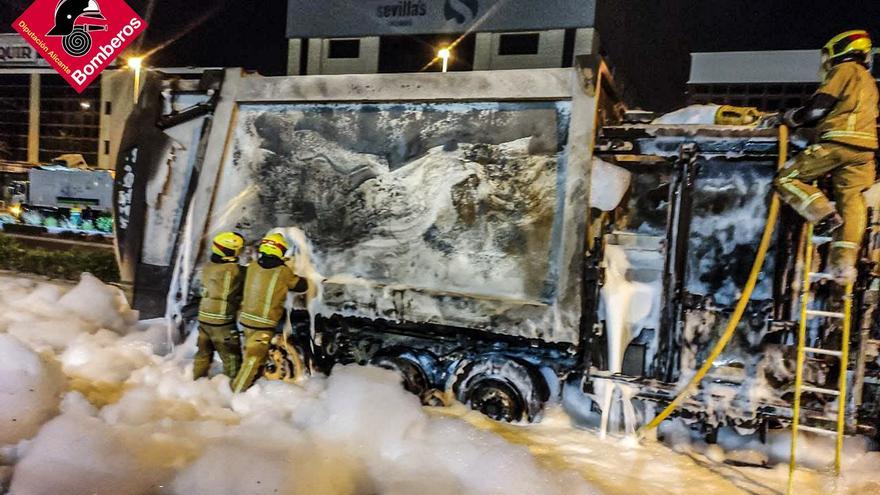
(496, 237)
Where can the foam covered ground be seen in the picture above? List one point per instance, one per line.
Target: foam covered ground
(94, 402)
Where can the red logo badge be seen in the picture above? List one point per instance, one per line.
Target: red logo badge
(79, 38)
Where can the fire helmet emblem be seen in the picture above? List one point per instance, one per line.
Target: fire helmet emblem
(74, 19)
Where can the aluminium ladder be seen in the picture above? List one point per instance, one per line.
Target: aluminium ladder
(802, 349)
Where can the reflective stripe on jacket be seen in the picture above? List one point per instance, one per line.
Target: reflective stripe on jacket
(221, 293)
(853, 120)
(265, 290)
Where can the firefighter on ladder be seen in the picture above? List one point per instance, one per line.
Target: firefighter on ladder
(221, 294)
(844, 111)
(262, 310)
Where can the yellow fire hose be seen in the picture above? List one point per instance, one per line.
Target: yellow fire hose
(740, 306)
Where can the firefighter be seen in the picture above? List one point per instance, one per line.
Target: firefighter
(222, 280)
(262, 311)
(844, 111)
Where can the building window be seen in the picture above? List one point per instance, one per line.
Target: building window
(414, 53)
(345, 49)
(108, 107)
(518, 44)
(14, 112)
(69, 122)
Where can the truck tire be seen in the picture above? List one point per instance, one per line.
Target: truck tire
(501, 387)
(415, 369)
(414, 379)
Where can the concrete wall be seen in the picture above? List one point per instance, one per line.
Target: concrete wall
(780, 66)
(586, 41)
(550, 50)
(117, 101)
(320, 62)
(551, 47)
(294, 50)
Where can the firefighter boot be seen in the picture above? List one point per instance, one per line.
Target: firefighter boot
(255, 349)
(843, 274)
(828, 225)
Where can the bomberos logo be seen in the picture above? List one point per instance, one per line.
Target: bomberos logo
(79, 38)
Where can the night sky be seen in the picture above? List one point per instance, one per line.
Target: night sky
(650, 41)
(647, 41)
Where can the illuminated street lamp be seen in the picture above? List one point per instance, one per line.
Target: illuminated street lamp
(444, 55)
(134, 63)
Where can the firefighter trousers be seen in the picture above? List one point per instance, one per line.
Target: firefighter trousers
(223, 339)
(852, 172)
(256, 348)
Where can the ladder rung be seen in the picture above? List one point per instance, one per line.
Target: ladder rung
(819, 390)
(820, 431)
(827, 352)
(828, 314)
(822, 418)
(820, 276)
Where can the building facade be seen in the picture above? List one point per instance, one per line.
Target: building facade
(769, 80)
(373, 36)
(41, 116)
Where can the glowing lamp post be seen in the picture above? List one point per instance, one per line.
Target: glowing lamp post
(444, 55)
(134, 63)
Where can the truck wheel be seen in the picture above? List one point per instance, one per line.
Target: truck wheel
(280, 364)
(414, 378)
(497, 399)
(503, 388)
(434, 398)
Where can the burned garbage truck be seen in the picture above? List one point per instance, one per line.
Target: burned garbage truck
(496, 237)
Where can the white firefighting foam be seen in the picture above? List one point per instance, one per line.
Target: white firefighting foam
(129, 420)
(29, 387)
(693, 114)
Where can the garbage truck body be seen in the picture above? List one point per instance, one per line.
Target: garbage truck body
(499, 237)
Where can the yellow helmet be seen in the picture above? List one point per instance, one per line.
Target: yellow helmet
(227, 245)
(274, 245)
(855, 42)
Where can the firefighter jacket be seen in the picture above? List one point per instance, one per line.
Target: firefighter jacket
(265, 289)
(853, 119)
(221, 292)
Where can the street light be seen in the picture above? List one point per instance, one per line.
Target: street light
(134, 63)
(444, 55)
